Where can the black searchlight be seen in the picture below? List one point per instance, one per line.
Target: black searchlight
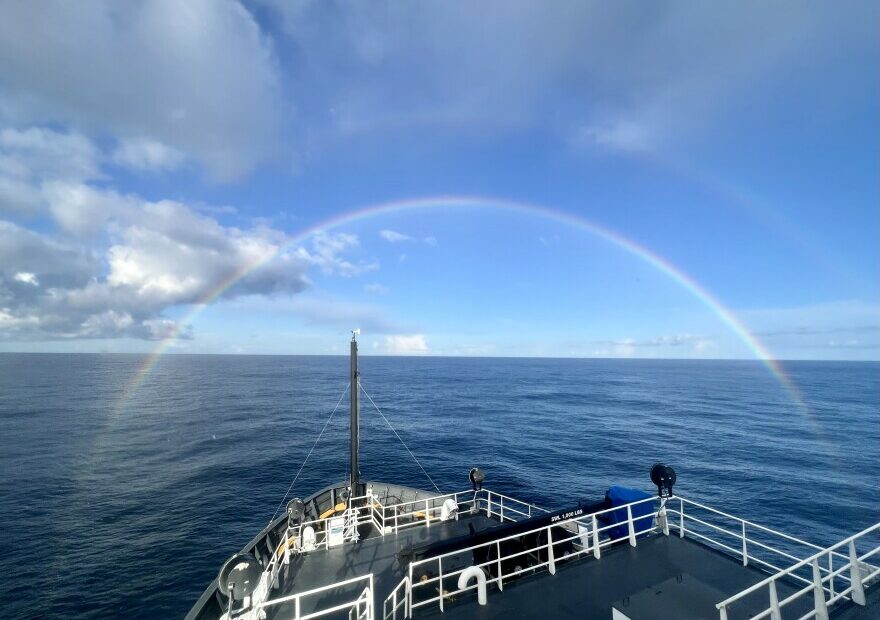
(663, 477)
(477, 476)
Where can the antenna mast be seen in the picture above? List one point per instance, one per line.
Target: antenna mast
(355, 420)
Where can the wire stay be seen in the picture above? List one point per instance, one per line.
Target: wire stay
(399, 438)
(326, 424)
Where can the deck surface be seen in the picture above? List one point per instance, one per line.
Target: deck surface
(377, 555)
(683, 577)
(661, 578)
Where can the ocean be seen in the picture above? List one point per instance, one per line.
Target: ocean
(123, 500)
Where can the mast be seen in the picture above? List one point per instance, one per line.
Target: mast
(355, 421)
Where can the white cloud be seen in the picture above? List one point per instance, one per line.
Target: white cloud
(31, 157)
(400, 344)
(199, 77)
(430, 240)
(326, 251)
(392, 236)
(146, 256)
(152, 265)
(147, 155)
(620, 77)
(26, 277)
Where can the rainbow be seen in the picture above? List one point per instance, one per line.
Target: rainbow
(426, 203)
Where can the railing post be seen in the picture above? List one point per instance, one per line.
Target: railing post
(745, 548)
(629, 524)
(371, 603)
(662, 518)
(500, 576)
(722, 613)
(819, 593)
(395, 519)
(502, 509)
(409, 595)
(297, 608)
(831, 573)
(597, 553)
(440, 577)
(855, 576)
(427, 515)
(551, 560)
(489, 504)
(775, 611)
(680, 518)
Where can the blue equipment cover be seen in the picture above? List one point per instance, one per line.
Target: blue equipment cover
(620, 496)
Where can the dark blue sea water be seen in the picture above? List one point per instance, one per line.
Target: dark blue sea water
(129, 511)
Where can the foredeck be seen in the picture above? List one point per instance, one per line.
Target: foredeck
(376, 555)
(656, 559)
(663, 577)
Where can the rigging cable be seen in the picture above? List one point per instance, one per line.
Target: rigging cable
(398, 437)
(344, 392)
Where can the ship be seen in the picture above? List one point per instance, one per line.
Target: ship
(362, 549)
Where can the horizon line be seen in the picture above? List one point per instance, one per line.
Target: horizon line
(438, 355)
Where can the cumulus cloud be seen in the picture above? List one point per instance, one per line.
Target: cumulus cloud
(199, 78)
(53, 290)
(117, 262)
(405, 344)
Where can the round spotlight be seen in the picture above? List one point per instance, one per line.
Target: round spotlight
(240, 576)
(477, 476)
(296, 510)
(663, 477)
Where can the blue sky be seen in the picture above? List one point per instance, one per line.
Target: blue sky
(150, 152)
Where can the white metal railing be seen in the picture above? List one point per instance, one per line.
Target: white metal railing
(385, 519)
(750, 542)
(425, 511)
(398, 598)
(361, 607)
(584, 533)
(506, 508)
(859, 574)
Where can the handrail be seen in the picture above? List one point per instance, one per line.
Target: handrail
(856, 580)
(592, 546)
(365, 595)
(397, 600)
(593, 539)
(745, 543)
